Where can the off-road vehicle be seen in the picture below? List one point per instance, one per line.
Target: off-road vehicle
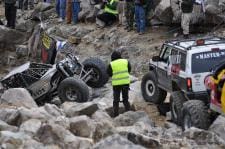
(180, 69)
(200, 114)
(68, 79)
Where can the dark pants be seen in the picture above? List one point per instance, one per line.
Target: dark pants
(10, 14)
(130, 14)
(116, 95)
(107, 18)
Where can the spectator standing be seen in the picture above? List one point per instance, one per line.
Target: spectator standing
(109, 16)
(186, 8)
(140, 16)
(69, 11)
(61, 9)
(72, 11)
(121, 11)
(119, 70)
(148, 7)
(10, 13)
(28, 4)
(130, 14)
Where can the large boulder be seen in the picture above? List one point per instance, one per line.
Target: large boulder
(74, 109)
(88, 11)
(5, 127)
(131, 117)
(10, 37)
(203, 137)
(30, 126)
(82, 126)
(34, 113)
(12, 140)
(116, 141)
(18, 97)
(53, 110)
(9, 115)
(58, 135)
(103, 126)
(218, 127)
(164, 12)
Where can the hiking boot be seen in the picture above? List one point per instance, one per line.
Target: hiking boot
(141, 33)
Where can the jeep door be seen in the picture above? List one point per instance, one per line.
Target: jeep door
(162, 69)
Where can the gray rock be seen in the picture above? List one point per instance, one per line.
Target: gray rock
(56, 134)
(26, 26)
(163, 12)
(12, 139)
(34, 113)
(10, 37)
(9, 116)
(33, 144)
(5, 127)
(203, 137)
(62, 121)
(39, 9)
(30, 126)
(101, 115)
(21, 51)
(18, 97)
(75, 109)
(139, 127)
(82, 126)
(218, 127)
(53, 110)
(104, 128)
(116, 141)
(142, 140)
(131, 117)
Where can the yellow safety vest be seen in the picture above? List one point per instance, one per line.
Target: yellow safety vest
(120, 74)
(109, 10)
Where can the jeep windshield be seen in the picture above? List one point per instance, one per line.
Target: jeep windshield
(205, 61)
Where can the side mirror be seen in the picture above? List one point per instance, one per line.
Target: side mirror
(156, 58)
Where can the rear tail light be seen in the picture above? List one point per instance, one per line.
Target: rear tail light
(189, 84)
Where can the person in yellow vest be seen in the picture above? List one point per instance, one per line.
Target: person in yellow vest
(109, 16)
(119, 69)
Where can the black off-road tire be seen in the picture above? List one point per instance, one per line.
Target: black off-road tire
(150, 90)
(195, 114)
(177, 99)
(100, 76)
(76, 86)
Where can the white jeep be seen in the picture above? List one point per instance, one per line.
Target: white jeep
(180, 69)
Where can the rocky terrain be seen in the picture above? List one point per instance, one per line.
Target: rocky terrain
(89, 125)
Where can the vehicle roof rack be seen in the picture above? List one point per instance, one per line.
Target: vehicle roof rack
(214, 38)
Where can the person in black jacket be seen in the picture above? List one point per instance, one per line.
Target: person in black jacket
(119, 69)
(186, 8)
(10, 13)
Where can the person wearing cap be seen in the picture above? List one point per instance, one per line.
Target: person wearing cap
(119, 69)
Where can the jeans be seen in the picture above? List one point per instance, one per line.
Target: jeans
(76, 10)
(57, 7)
(140, 18)
(61, 8)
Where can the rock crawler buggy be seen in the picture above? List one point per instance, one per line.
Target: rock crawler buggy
(69, 79)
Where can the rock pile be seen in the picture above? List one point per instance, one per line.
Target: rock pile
(88, 125)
